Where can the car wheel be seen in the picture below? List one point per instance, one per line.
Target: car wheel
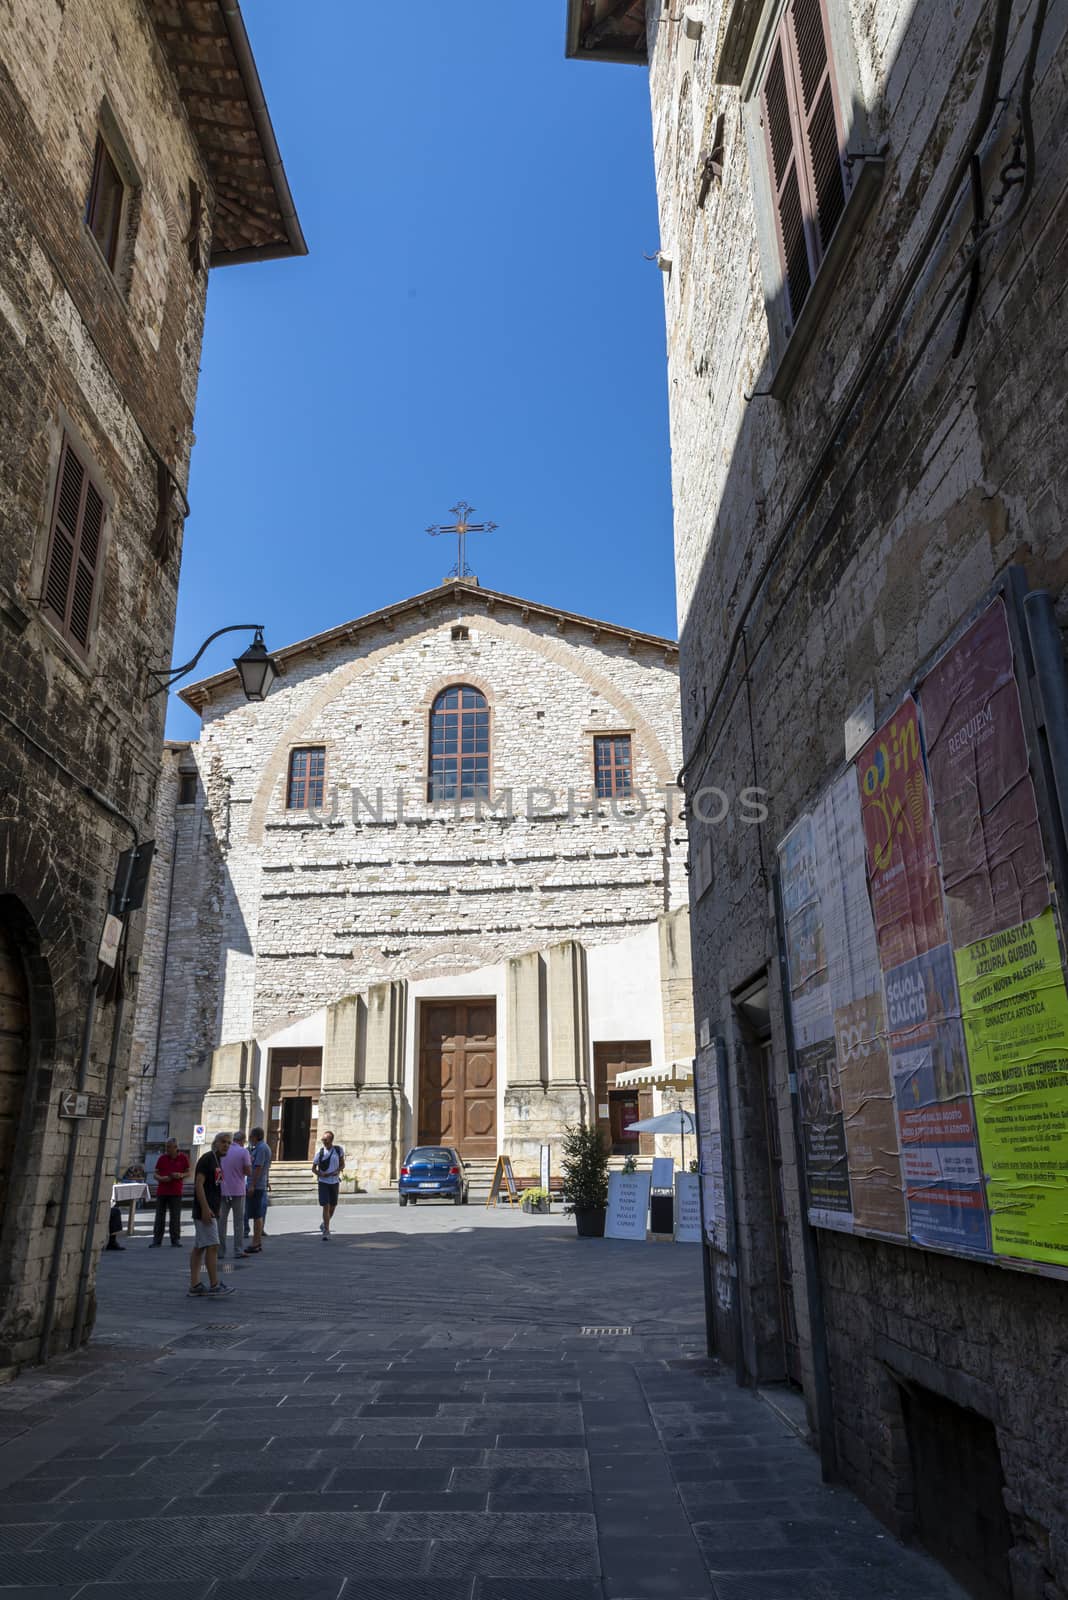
(465, 1197)
(414, 1199)
(403, 1199)
(457, 1199)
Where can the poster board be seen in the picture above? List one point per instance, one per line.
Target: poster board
(687, 1208)
(925, 970)
(663, 1172)
(544, 1165)
(503, 1181)
(628, 1205)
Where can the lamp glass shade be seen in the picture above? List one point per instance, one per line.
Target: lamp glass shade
(256, 669)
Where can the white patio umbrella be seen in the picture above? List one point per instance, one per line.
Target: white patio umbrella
(679, 1122)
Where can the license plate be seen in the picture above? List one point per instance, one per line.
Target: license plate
(428, 1186)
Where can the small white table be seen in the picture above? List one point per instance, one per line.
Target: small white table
(131, 1192)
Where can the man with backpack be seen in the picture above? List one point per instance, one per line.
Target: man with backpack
(327, 1167)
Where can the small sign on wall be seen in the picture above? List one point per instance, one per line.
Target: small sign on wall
(602, 1111)
(199, 1132)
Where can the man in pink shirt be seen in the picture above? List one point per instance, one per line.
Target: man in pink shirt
(236, 1165)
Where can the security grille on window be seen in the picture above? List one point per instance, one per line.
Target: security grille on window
(611, 765)
(307, 779)
(103, 213)
(74, 549)
(803, 130)
(459, 745)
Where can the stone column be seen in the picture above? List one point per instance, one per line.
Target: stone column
(339, 1095)
(569, 1022)
(233, 1085)
(538, 1108)
(676, 985)
(379, 1106)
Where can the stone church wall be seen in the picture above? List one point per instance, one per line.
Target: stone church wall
(277, 913)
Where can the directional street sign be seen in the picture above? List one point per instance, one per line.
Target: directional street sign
(72, 1103)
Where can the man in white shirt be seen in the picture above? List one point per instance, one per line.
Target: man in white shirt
(328, 1166)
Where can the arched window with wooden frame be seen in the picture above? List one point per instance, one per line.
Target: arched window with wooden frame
(459, 766)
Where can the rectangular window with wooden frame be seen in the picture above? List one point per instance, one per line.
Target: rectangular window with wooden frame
(103, 211)
(307, 779)
(802, 120)
(612, 765)
(75, 548)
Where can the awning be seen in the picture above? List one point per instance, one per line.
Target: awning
(675, 1074)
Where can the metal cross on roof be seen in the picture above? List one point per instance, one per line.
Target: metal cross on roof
(461, 528)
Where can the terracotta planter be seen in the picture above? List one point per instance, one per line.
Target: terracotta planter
(590, 1224)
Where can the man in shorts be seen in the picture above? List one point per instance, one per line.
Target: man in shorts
(328, 1166)
(256, 1199)
(207, 1203)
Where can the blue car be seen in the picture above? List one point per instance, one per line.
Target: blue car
(433, 1172)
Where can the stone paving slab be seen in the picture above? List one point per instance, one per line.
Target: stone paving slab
(322, 1436)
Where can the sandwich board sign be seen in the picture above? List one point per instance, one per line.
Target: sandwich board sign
(628, 1205)
(687, 1208)
(503, 1178)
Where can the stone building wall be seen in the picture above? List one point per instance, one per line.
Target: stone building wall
(293, 912)
(115, 364)
(823, 554)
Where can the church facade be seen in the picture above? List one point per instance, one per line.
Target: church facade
(432, 889)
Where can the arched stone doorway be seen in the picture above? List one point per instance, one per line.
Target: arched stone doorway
(14, 1051)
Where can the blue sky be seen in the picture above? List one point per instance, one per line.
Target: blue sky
(475, 320)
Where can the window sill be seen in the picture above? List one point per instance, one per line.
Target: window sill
(62, 647)
(869, 178)
(111, 277)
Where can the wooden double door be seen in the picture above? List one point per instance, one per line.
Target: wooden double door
(458, 1076)
(295, 1078)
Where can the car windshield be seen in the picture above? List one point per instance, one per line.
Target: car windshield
(431, 1156)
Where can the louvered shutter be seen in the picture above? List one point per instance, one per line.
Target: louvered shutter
(74, 549)
(804, 141)
(788, 178)
(819, 116)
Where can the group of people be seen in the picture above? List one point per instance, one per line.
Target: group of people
(230, 1197)
(229, 1189)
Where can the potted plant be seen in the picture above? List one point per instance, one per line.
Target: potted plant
(585, 1180)
(535, 1199)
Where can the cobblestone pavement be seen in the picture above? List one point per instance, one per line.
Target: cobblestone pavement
(417, 1408)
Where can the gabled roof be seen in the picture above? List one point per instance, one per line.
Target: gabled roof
(209, 53)
(607, 30)
(461, 592)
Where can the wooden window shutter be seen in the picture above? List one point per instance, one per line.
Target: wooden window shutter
(803, 129)
(74, 549)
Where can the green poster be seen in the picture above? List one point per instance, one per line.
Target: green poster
(1015, 1012)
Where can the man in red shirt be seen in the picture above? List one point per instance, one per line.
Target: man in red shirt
(171, 1169)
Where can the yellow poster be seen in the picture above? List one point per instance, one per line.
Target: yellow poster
(1015, 1012)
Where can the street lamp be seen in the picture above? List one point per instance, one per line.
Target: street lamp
(256, 669)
